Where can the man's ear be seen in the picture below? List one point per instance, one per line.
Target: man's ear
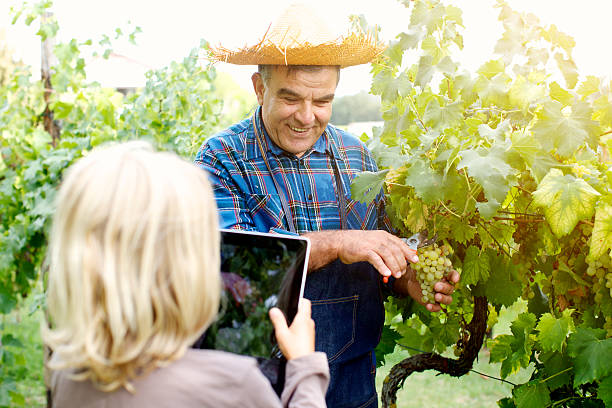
(258, 86)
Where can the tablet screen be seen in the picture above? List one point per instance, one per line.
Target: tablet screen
(259, 271)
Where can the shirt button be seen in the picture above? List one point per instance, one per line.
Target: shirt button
(310, 196)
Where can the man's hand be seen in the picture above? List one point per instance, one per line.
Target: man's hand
(386, 252)
(409, 285)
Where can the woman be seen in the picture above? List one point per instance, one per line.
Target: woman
(134, 281)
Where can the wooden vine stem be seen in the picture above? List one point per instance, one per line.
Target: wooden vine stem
(432, 361)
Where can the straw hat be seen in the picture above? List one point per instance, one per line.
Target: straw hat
(300, 37)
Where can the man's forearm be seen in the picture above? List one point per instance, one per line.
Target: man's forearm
(323, 248)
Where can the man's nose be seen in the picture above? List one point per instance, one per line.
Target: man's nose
(305, 114)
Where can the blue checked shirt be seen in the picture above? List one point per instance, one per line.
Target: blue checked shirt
(246, 195)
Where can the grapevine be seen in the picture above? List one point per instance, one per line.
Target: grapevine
(510, 167)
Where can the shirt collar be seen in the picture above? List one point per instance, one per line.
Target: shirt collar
(322, 145)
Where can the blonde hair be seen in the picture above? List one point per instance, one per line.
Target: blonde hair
(134, 264)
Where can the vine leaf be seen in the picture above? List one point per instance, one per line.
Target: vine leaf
(489, 168)
(523, 93)
(566, 200)
(426, 182)
(389, 338)
(442, 117)
(534, 394)
(367, 185)
(601, 240)
(603, 111)
(604, 392)
(589, 348)
(568, 69)
(502, 288)
(557, 368)
(491, 68)
(565, 133)
(475, 266)
(553, 332)
(559, 94)
(493, 91)
(514, 351)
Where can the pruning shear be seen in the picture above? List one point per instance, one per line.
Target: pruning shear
(416, 242)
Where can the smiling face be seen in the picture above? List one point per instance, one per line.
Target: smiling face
(296, 105)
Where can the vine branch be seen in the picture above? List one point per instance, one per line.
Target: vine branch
(432, 361)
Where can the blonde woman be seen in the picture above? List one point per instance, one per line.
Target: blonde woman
(134, 281)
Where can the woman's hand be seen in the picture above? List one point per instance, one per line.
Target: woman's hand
(298, 339)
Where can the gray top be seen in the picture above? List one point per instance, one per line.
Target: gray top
(204, 378)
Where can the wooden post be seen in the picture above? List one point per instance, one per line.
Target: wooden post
(47, 62)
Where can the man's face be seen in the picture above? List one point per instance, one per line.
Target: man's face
(296, 105)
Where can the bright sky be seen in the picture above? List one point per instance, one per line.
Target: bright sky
(172, 28)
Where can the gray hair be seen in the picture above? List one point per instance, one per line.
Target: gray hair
(266, 70)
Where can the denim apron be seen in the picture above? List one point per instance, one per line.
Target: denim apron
(348, 311)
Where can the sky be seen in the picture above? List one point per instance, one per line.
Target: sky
(172, 28)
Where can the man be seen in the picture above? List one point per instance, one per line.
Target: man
(287, 169)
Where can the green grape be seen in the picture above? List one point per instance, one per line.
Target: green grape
(433, 265)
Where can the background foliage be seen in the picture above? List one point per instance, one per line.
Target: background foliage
(176, 110)
(510, 166)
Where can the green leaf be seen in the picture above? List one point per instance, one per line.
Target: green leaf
(425, 71)
(491, 68)
(425, 181)
(493, 91)
(460, 229)
(514, 351)
(524, 93)
(525, 145)
(444, 334)
(11, 341)
(506, 403)
(604, 391)
(568, 69)
(592, 354)
(534, 394)
(557, 368)
(389, 87)
(565, 200)
(561, 95)
(566, 133)
(603, 111)
(414, 341)
(589, 86)
(502, 288)
(475, 266)
(489, 168)
(388, 340)
(601, 238)
(559, 39)
(367, 185)
(440, 118)
(553, 332)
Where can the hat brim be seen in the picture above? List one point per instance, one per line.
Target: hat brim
(351, 50)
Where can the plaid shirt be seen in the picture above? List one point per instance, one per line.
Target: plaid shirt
(246, 195)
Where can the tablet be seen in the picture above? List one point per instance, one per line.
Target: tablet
(259, 271)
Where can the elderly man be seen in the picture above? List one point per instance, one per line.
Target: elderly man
(286, 169)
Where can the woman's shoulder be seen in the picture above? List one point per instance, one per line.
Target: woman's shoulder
(199, 377)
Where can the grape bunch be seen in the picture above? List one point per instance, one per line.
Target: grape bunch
(433, 265)
(600, 271)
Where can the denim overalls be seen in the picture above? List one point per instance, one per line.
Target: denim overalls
(348, 311)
